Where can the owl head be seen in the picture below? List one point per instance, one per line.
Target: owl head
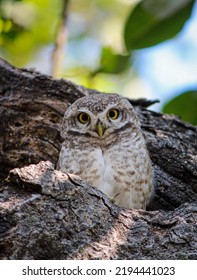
(98, 115)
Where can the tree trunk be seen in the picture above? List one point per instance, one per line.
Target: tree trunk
(45, 214)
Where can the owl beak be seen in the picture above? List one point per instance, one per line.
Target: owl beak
(99, 128)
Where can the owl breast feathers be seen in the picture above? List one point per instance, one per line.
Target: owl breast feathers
(104, 145)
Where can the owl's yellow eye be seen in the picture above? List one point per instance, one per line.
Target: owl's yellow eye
(113, 114)
(83, 118)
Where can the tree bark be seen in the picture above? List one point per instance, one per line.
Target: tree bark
(45, 214)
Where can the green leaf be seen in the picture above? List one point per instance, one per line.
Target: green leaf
(184, 105)
(152, 22)
(111, 62)
(27, 26)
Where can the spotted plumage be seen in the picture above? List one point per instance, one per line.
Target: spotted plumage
(104, 145)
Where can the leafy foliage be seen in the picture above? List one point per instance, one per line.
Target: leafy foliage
(152, 22)
(29, 26)
(184, 105)
(111, 62)
(26, 26)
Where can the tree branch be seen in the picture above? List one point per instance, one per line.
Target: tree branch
(58, 52)
(64, 216)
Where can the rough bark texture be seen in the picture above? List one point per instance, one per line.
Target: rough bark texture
(45, 214)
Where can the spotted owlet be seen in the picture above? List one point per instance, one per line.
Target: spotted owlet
(104, 145)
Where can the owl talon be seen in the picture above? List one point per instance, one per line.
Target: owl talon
(113, 199)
